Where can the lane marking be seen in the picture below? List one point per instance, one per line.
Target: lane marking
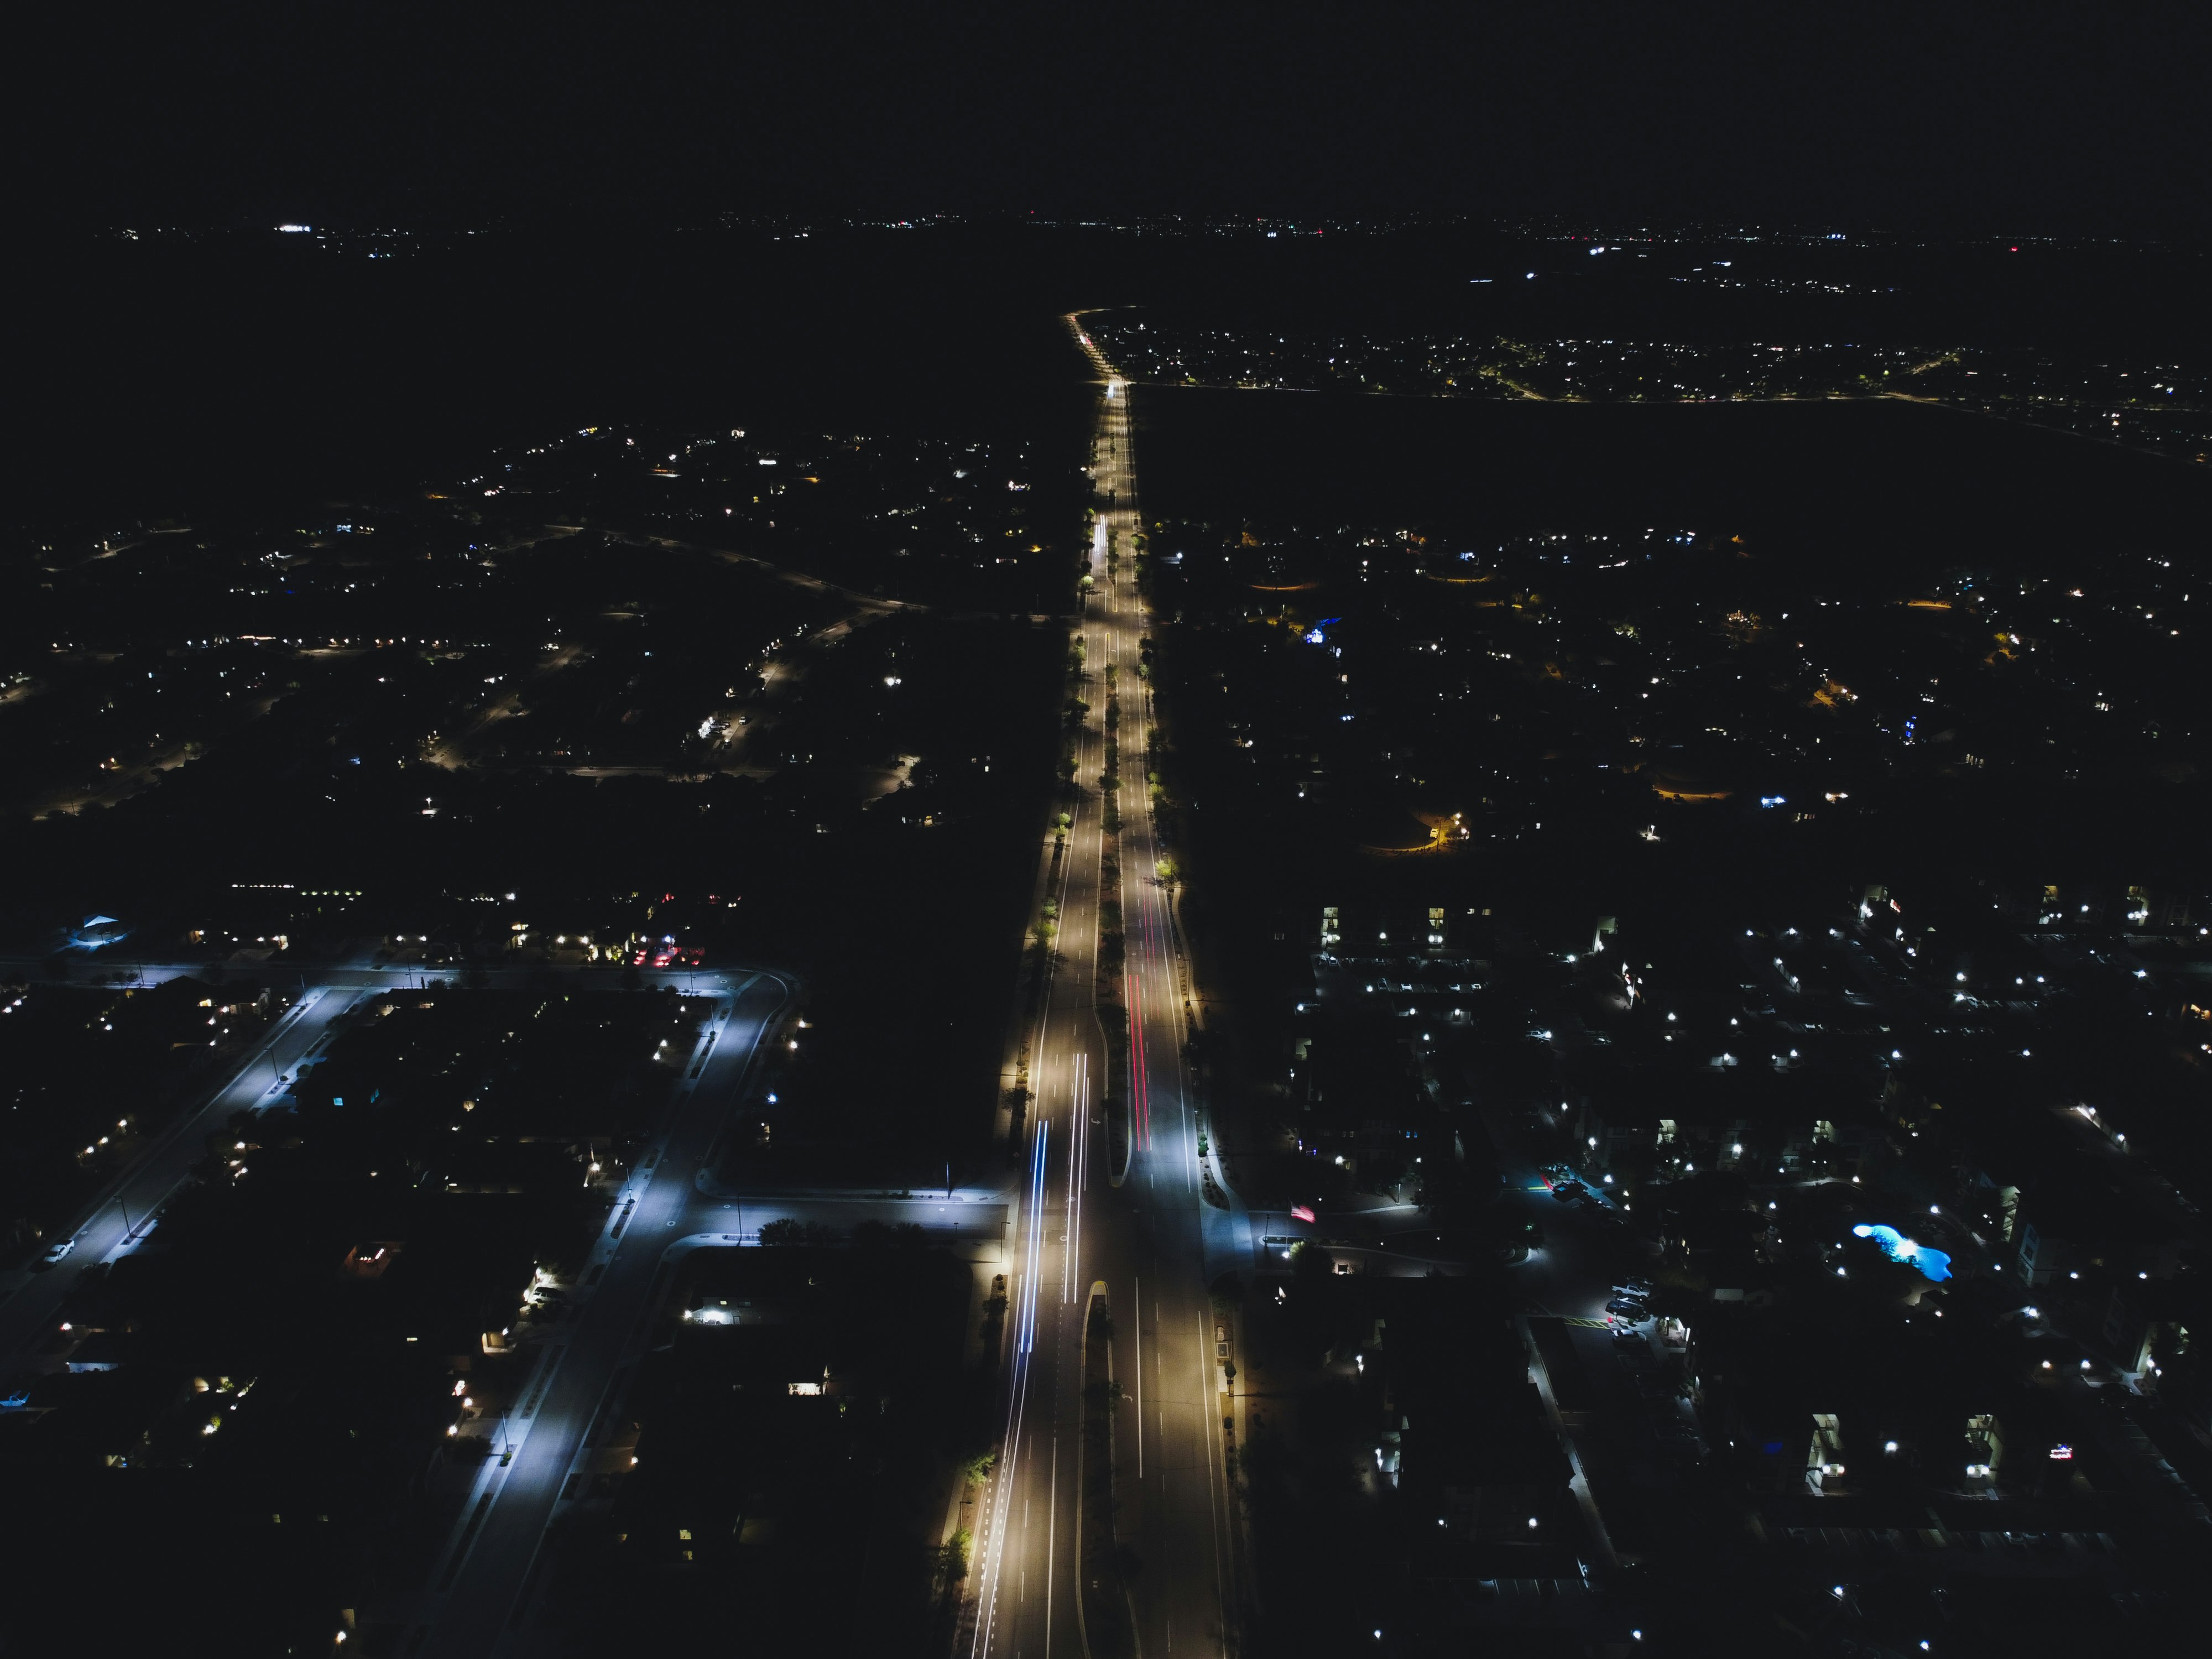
(1017, 1397)
(1051, 1539)
(1218, 1524)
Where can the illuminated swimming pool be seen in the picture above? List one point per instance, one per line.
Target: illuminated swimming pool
(1932, 1264)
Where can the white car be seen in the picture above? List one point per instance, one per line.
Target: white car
(55, 1253)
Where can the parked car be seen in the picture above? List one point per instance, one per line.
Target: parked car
(1626, 1307)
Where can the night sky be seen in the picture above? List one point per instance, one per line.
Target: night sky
(2068, 118)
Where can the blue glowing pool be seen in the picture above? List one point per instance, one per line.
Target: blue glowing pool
(1932, 1264)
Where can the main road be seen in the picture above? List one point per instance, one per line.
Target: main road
(1145, 1232)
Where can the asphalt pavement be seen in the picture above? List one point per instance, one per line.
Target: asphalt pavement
(1150, 1238)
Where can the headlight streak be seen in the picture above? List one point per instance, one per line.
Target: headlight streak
(1079, 1167)
(1006, 1476)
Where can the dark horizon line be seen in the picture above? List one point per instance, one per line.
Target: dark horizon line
(1559, 225)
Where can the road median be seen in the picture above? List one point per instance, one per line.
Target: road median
(1109, 1624)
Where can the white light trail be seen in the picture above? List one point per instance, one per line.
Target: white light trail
(1017, 1395)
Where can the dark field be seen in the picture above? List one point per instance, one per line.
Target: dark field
(1864, 479)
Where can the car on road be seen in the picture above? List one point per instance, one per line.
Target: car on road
(1570, 1192)
(54, 1254)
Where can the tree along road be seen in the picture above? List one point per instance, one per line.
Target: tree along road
(1149, 1235)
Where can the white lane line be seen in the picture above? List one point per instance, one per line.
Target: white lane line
(1017, 1395)
(1078, 1171)
(1034, 1266)
(1051, 1537)
(1082, 1130)
(1216, 1531)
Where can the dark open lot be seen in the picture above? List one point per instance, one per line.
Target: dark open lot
(273, 1374)
(792, 1435)
(1909, 488)
(1780, 817)
(93, 1074)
